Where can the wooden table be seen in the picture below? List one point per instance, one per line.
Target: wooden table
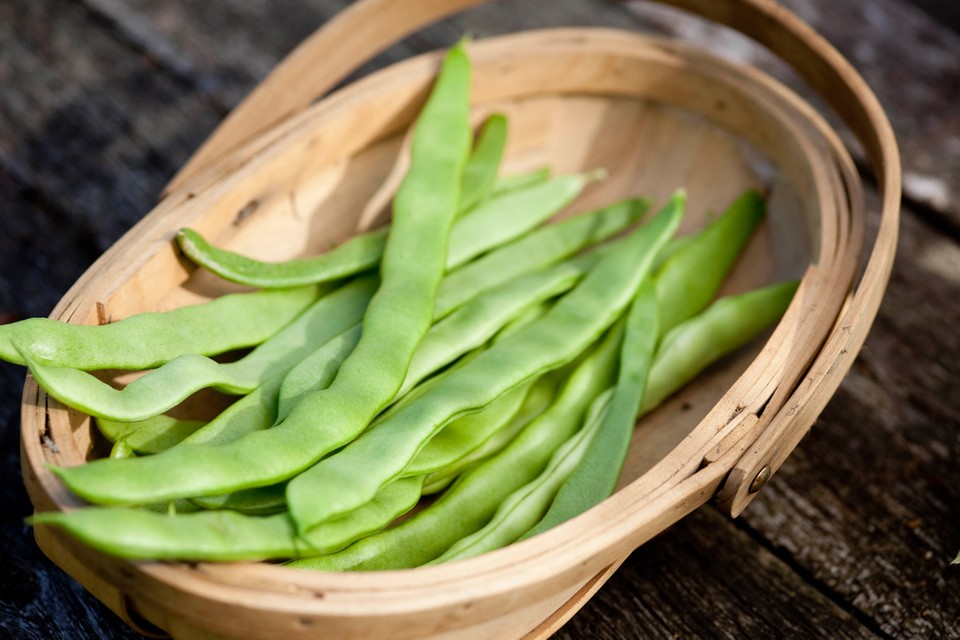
(103, 100)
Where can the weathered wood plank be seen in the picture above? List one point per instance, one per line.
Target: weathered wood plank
(869, 504)
(909, 60)
(704, 578)
(41, 254)
(91, 124)
(223, 40)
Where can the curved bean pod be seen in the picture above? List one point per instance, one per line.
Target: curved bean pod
(726, 325)
(511, 215)
(525, 506)
(574, 322)
(140, 534)
(539, 398)
(480, 174)
(693, 345)
(504, 184)
(693, 270)
(690, 278)
(536, 250)
(359, 253)
(167, 386)
(480, 318)
(598, 470)
(465, 434)
(396, 320)
(152, 435)
(261, 409)
(474, 497)
(199, 328)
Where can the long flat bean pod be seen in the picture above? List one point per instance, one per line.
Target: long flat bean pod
(465, 434)
(688, 349)
(726, 325)
(262, 408)
(575, 321)
(535, 251)
(140, 534)
(690, 278)
(398, 316)
(147, 340)
(480, 174)
(540, 397)
(514, 181)
(598, 468)
(525, 506)
(315, 373)
(358, 253)
(479, 319)
(511, 215)
(474, 497)
(160, 389)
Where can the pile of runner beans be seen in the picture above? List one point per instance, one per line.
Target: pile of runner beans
(468, 352)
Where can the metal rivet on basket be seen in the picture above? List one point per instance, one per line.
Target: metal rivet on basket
(760, 480)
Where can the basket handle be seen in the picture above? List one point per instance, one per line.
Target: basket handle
(368, 26)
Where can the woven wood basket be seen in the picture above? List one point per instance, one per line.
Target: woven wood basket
(285, 176)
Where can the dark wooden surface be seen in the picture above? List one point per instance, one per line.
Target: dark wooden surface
(102, 100)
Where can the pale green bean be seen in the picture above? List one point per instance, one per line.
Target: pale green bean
(575, 321)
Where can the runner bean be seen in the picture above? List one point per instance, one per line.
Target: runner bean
(693, 345)
(472, 500)
(535, 251)
(539, 398)
(595, 475)
(511, 182)
(511, 215)
(685, 282)
(148, 340)
(575, 321)
(357, 254)
(525, 506)
(725, 325)
(165, 387)
(480, 174)
(396, 320)
(480, 318)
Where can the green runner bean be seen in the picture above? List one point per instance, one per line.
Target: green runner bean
(596, 474)
(689, 348)
(507, 183)
(147, 340)
(535, 251)
(575, 321)
(474, 497)
(481, 317)
(539, 398)
(727, 324)
(357, 254)
(480, 174)
(511, 215)
(160, 389)
(396, 320)
(525, 506)
(690, 278)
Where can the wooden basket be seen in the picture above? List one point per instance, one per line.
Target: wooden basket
(284, 176)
